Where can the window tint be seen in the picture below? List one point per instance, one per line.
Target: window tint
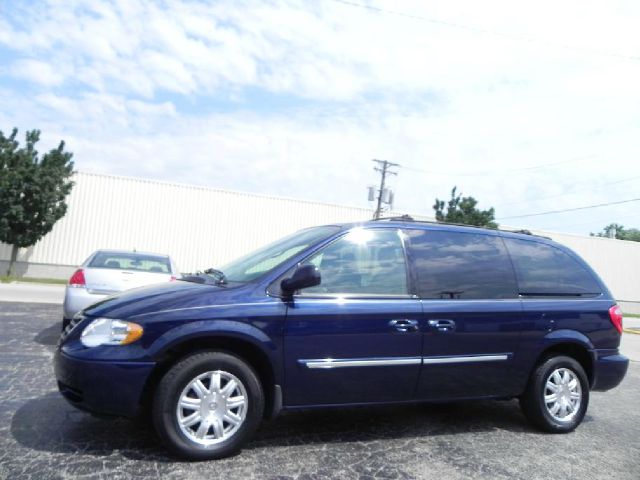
(364, 261)
(546, 270)
(457, 265)
(131, 261)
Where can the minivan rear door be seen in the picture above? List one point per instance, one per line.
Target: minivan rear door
(472, 316)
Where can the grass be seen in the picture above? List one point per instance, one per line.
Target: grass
(632, 315)
(57, 281)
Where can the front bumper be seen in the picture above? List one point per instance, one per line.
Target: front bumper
(105, 387)
(609, 370)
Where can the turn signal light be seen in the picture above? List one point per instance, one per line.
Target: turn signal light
(134, 332)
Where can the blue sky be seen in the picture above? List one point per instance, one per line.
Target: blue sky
(295, 98)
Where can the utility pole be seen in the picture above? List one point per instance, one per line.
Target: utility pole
(384, 169)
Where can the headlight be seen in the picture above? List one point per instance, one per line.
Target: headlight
(105, 331)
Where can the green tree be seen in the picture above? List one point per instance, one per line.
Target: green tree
(615, 230)
(32, 190)
(463, 210)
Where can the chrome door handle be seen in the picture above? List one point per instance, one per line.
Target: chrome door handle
(404, 324)
(442, 325)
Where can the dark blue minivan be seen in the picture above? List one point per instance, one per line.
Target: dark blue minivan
(378, 312)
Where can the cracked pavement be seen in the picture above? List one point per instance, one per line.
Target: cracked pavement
(43, 437)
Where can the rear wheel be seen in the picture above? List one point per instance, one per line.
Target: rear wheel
(557, 395)
(207, 405)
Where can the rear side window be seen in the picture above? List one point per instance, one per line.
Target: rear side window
(459, 265)
(546, 270)
(131, 261)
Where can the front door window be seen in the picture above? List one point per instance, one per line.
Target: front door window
(364, 261)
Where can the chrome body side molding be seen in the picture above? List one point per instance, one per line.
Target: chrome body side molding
(465, 358)
(360, 362)
(328, 363)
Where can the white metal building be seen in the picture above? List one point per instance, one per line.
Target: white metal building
(203, 227)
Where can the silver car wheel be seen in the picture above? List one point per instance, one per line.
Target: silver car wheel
(563, 395)
(212, 407)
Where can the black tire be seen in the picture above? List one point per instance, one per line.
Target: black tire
(65, 322)
(532, 401)
(167, 394)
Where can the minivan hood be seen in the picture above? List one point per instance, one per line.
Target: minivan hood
(155, 298)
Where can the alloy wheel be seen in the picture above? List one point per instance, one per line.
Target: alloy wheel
(212, 407)
(562, 395)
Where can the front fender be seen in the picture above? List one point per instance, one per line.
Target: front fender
(213, 328)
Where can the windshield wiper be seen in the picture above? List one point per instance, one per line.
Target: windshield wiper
(221, 279)
(210, 276)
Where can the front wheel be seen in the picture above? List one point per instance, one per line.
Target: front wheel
(557, 395)
(207, 405)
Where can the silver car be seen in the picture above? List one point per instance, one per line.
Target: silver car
(106, 272)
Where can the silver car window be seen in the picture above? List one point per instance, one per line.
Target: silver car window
(131, 261)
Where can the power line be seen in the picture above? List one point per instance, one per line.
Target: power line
(502, 172)
(569, 192)
(485, 31)
(571, 209)
(553, 164)
(610, 219)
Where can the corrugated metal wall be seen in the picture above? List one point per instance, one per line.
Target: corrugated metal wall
(202, 227)
(198, 226)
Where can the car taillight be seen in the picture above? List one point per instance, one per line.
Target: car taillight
(173, 278)
(77, 279)
(615, 314)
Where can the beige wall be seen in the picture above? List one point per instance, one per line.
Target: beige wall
(202, 227)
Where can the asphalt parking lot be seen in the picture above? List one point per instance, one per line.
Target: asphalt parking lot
(42, 437)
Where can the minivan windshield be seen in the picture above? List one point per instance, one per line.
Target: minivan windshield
(267, 258)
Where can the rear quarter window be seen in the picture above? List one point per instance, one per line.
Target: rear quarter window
(546, 270)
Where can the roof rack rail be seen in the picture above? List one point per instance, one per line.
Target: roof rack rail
(401, 218)
(524, 231)
(409, 218)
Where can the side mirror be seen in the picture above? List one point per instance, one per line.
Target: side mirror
(304, 277)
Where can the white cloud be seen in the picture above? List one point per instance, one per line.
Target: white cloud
(37, 71)
(148, 88)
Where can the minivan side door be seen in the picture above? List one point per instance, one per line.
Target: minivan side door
(472, 316)
(354, 338)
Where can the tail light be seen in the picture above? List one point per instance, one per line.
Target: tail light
(77, 279)
(615, 314)
(173, 278)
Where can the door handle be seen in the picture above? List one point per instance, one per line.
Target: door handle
(404, 324)
(442, 325)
